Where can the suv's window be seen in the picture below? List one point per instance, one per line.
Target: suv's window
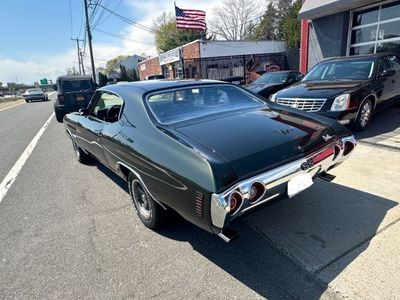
(384, 65)
(294, 76)
(76, 86)
(107, 107)
(395, 62)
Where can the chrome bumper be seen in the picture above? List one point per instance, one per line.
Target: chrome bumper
(275, 182)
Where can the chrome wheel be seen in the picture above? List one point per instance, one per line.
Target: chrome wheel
(365, 114)
(141, 198)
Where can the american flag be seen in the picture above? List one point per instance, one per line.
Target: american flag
(190, 19)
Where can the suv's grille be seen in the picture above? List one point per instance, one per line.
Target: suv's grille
(305, 104)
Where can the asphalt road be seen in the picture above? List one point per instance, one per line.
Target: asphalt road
(69, 231)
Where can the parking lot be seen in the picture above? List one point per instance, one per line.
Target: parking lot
(70, 231)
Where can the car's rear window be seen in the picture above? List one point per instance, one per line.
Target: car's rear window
(194, 102)
(76, 86)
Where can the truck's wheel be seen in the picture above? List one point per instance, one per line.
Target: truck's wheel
(364, 117)
(149, 211)
(59, 115)
(80, 155)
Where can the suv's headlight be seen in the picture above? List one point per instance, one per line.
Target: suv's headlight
(273, 97)
(341, 103)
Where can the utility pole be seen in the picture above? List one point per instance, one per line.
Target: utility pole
(89, 36)
(79, 56)
(83, 67)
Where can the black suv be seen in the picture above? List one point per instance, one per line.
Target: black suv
(74, 93)
(348, 89)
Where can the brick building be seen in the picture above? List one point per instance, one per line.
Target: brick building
(234, 61)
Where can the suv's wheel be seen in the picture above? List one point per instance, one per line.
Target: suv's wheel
(364, 117)
(80, 155)
(59, 115)
(149, 211)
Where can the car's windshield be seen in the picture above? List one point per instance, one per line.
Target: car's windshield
(33, 91)
(189, 103)
(342, 70)
(272, 78)
(76, 86)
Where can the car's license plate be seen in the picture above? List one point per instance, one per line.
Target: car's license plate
(80, 98)
(299, 183)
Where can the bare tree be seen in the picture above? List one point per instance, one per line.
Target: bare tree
(234, 19)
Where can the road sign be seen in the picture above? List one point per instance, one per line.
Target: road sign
(43, 81)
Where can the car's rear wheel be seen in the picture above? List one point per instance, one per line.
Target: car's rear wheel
(59, 115)
(149, 211)
(80, 155)
(364, 116)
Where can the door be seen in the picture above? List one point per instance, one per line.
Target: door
(395, 64)
(385, 83)
(94, 124)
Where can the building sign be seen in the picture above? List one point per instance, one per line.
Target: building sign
(170, 56)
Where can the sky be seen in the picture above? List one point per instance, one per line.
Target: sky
(36, 34)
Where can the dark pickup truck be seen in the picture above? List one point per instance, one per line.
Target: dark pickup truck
(348, 89)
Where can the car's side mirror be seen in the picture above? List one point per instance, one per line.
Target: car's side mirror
(83, 111)
(291, 81)
(387, 73)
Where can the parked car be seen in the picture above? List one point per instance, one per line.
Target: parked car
(155, 76)
(272, 82)
(74, 93)
(34, 94)
(208, 150)
(348, 89)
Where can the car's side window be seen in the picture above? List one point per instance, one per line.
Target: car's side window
(395, 62)
(107, 107)
(294, 77)
(383, 65)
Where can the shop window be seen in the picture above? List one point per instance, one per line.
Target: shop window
(376, 29)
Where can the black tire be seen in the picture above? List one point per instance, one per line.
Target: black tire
(80, 155)
(26, 101)
(364, 116)
(59, 115)
(151, 214)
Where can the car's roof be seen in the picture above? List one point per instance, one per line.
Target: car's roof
(74, 77)
(153, 85)
(363, 56)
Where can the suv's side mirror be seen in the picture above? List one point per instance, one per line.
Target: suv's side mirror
(83, 111)
(387, 73)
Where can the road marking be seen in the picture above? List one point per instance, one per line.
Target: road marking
(8, 107)
(16, 169)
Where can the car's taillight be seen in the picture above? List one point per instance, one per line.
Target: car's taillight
(257, 191)
(60, 98)
(235, 201)
(324, 154)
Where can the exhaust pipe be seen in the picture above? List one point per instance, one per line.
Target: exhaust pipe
(227, 234)
(327, 177)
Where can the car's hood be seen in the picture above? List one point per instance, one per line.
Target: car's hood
(320, 89)
(257, 140)
(259, 87)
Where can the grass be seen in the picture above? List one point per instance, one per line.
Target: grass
(9, 99)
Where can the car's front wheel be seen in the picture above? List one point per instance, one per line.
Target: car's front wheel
(364, 116)
(80, 155)
(149, 211)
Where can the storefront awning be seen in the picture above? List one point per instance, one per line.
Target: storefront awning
(313, 9)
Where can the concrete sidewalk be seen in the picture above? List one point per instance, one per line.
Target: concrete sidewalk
(347, 232)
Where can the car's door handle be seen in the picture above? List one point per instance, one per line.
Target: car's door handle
(98, 132)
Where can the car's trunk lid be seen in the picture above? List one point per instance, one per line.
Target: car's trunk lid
(257, 140)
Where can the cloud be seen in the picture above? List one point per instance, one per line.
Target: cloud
(136, 41)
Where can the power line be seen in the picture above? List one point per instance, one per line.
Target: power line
(109, 14)
(121, 37)
(129, 21)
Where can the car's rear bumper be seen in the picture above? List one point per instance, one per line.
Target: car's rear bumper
(35, 98)
(69, 108)
(275, 182)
